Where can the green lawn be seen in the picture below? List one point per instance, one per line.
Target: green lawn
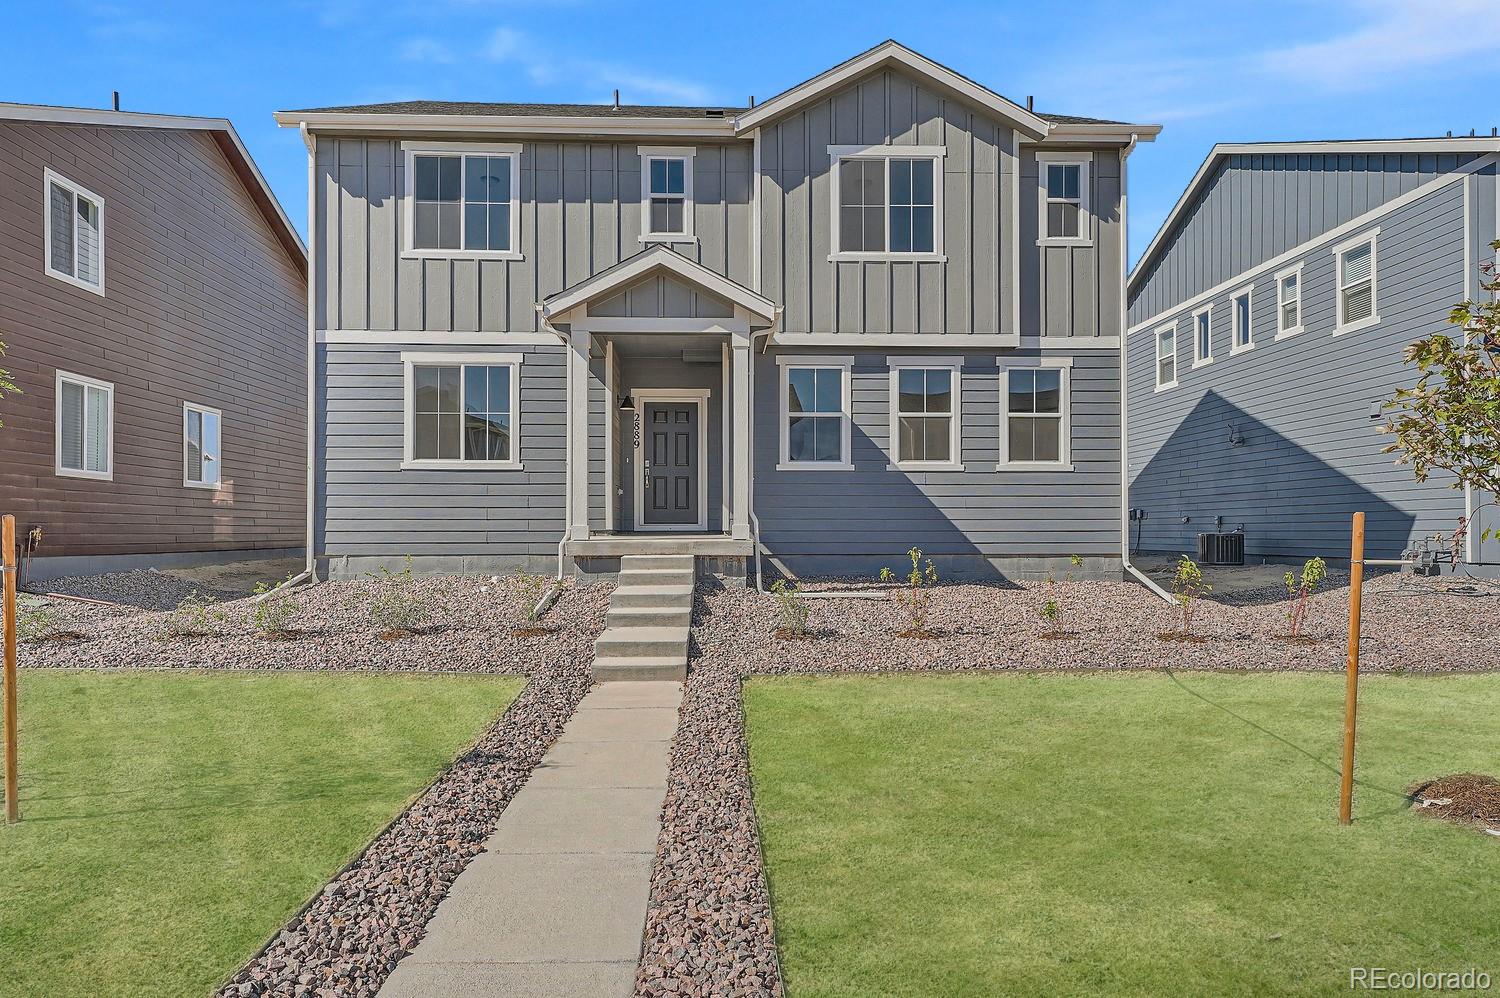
(171, 822)
(1116, 834)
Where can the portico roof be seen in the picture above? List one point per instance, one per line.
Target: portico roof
(657, 260)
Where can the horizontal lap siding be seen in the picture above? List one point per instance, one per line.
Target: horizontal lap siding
(201, 304)
(1312, 453)
(979, 511)
(369, 506)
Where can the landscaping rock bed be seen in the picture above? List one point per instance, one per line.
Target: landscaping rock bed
(143, 589)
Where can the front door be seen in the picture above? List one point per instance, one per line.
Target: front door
(671, 459)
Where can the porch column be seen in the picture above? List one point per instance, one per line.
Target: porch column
(740, 427)
(578, 430)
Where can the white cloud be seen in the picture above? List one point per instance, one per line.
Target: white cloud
(426, 50)
(546, 69)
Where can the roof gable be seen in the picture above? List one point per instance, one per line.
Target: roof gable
(657, 259)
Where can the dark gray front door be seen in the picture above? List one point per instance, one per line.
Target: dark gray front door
(671, 455)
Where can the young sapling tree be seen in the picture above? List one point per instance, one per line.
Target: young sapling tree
(1187, 588)
(528, 590)
(399, 609)
(792, 608)
(274, 609)
(1314, 572)
(916, 597)
(197, 616)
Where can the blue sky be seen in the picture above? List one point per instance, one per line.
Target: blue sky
(1208, 72)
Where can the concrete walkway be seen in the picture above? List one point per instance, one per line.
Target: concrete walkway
(556, 904)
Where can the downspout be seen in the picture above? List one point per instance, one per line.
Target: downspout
(1130, 570)
(567, 534)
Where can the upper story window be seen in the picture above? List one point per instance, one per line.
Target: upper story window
(925, 410)
(1063, 184)
(84, 428)
(201, 446)
(1203, 342)
(666, 194)
(1242, 335)
(462, 200)
(1355, 261)
(1034, 417)
(1289, 301)
(1166, 357)
(887, 201)
(74, 234)
(461, 410)
(815, 413)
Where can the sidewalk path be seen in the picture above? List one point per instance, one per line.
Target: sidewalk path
(556, 904)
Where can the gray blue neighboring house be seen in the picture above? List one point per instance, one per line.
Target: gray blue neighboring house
(882, 309)
(1267, 323)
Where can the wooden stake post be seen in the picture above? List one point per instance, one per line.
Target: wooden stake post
(1351, 685)
(8, 540)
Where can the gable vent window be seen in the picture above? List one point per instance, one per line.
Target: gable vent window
(463, 203)
(1356, 284)
(666, 194)
(887, 202)
(85, 427)
(1063, 181)
(74, 234)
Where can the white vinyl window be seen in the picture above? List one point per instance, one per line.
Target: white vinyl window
(925, 411)
(666, 194)
(1166, 357)
(201, 446)
(815, 413)
(1203, 340)
(887, 202)
(462, 200)
(462, 410)
(74, 250)
(1034, 417)
(1242, 332)
(1289, 302)
(1355, 261)
(84, 430)
(1063, 183)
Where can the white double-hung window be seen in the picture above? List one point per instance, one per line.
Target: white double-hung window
(202, 446)
(815, 413)
(1289, 302)
(1166, 357)
(462, 200)
(1203, 340)
(74, 250)
(1355, 262)
(462, 410)
(887, 202)
(1034, 416)
(1063, 187)
(1242, 333)
(666, 194)
(926, 407)
(84, 430)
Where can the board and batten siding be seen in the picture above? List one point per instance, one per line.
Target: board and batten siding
(580, 213)
(1305, 406)
(1073, 290)
(1256, 207)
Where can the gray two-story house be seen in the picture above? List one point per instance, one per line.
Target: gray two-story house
(883, 309)
(1268, 320)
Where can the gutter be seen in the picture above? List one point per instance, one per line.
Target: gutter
(1130, 570)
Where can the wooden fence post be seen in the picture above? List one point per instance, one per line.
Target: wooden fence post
(8, 540)
(1351, 683)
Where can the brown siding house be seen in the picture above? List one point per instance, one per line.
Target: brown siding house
(153, 305)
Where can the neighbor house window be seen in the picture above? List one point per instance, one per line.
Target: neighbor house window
(461, 410)
(925, 409)
(1034, 422)
(74, 234)
(1064, 187)
(1289, 301)
(666, 194)
(1356, 284)
(886, 201)
(1203, 343)
(1166, 356)
(1242, 336)
(815, 413)
(462, 201)
(201, 440)
(85, 427)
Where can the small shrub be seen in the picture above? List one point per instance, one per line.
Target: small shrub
(1314, 573)
(35, 625)
(792, 607)
(528, 589)
(195, 617)
(1052, 611)
(272, 615)
(398, 608)
(916, 598)
(1187, 587)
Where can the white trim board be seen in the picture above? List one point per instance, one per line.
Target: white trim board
(417, 337)
(641, 396)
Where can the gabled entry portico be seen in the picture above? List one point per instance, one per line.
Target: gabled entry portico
(658, 400)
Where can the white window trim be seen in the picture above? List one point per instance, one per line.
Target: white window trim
(1235, 347)
(686, 154)
(1084, 161)
(408, 211)
(1207, 310)
(77, 190)
(785, 363)
(187, 482)
(955, 442)
(410, 360)
(1065, 430)
(1282, 332)
(1170, 327)
(108, 475)
(1340, 327)
(938, 154)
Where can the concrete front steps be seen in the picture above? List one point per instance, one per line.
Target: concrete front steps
(646, 633)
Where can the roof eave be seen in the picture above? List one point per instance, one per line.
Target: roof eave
(490, 124)
(1084, 134)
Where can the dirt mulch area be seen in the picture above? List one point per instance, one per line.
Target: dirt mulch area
(1464, 799)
